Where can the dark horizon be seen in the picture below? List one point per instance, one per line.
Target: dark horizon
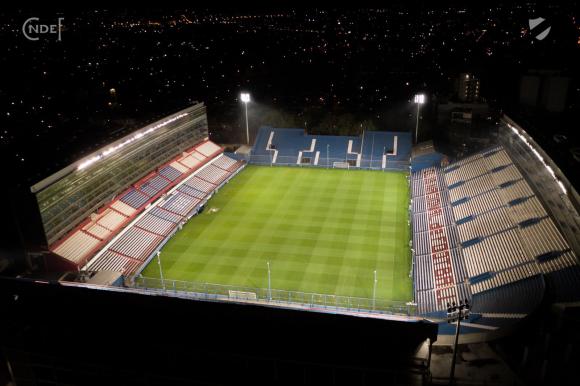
(318, 67)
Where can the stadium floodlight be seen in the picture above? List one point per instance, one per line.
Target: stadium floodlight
(374, 289)
(456, 314)
(160, 269)
(245, 98)
(269, 283)
(419, 100)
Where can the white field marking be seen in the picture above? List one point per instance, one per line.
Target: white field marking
(269, 147)
(358, 155)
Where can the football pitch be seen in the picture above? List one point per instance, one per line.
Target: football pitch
(322, 230)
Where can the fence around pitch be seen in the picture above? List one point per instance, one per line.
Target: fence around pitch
(223, 292)
(324, 162)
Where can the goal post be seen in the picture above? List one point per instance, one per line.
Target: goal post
(341, 165)
(242, 295)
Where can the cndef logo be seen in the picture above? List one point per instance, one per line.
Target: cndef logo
(32, 28)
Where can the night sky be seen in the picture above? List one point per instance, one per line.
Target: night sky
(115, 70)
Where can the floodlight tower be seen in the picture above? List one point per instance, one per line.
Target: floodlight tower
(456, 314)
(374, 289)
(419, 100)
(245, 98)
(160, 269)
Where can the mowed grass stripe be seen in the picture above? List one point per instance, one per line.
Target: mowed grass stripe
(323, 231)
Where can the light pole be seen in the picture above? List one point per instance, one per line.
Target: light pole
(269, 283)
(160, 269)
(375, 290)
(385, 156)
(372, 151)
(245, 98)
(419, 100)
(455, 314)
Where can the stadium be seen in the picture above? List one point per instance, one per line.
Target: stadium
(370, 227)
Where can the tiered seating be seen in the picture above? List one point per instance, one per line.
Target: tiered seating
(476, 205)
(125, 209)
(198, 156)
(77, 247)
(165, 215)
(191, 191)
(466, 172)
(426, 301)
(515, 191)
(506, 175)
(524, 210)
(291, 146)
(112, 261)
(190, 161)
(180, 204)
(421, 243)
(199, 184)
(542, 237)
(497, 158)
(484, 224)
(469, 188)
(494, 253)
(97, 230)
(170, 172)
(213, 174)
(459, 268)
(134, 199)
(556, 260)
(509, 244)
(136, 243)
(418, 204)
(155, 224)
(111, 219)
(207, 148)
(224, 162)
(179, 167)
(423, 272)
(506, 234)
(154, 185)
(437, 274)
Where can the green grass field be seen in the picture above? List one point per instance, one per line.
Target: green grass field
(323, 231)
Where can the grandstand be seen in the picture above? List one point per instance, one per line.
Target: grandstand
(132, 248)
(482, 233)
(80, 245)
(371, 150)
(119, 233)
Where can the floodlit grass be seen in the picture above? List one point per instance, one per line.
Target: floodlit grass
(323, 231)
